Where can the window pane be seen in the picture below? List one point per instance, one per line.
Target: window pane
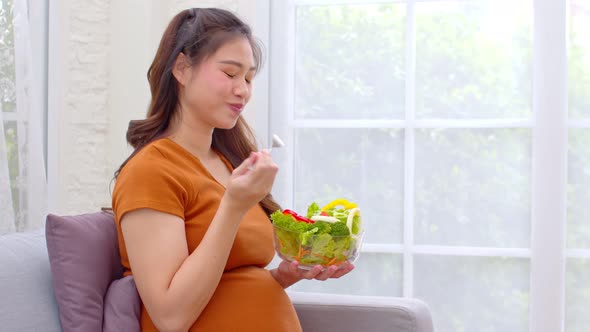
(363, 165)
(579, 59)
(474, 59)
(577, 295)
(473, 187)
(374, 274)
(578, 213)
(350, 61)
(7, 68)
(474, 293)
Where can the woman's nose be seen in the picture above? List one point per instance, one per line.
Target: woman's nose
(241, 89)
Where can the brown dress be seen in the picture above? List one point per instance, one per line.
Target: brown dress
(165, 177)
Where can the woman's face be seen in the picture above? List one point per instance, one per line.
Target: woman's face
(215, 92)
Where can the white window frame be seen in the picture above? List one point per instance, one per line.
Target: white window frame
(549, 126)
(39, 21)
(550, 144)
(58, 26)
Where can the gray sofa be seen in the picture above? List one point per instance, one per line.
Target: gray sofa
(27, 301)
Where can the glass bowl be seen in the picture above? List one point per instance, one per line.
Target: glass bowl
(312, 250)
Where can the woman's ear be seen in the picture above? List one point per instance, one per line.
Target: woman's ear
(181, 69)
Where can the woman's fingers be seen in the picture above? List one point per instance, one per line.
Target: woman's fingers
(293, 267)
(252, 180)
(313, 273)
(262, 168)
(264, 158)
(247, 164)
(265, 169)
(342, 271)
(317, 272)
(327, 273)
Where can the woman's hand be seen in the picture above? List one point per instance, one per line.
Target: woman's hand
(251, 181)
(289, 273)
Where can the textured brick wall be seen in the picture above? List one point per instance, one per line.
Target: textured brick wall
(84, 120)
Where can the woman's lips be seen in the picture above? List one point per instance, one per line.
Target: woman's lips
(236, 107)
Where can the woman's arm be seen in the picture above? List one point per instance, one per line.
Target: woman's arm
(174, 286)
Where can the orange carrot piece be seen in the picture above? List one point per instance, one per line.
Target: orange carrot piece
(324, 258)
(299, 254)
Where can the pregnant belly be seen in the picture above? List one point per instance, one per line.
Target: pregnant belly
(248, 299)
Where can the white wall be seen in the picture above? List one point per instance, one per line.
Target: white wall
(100, 51)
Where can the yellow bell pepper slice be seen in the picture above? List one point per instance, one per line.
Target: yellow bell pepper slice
(339, 202)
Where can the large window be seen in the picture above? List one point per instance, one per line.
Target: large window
(423, 113)
(578, 191)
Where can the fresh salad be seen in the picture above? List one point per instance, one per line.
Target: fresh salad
(329, 235)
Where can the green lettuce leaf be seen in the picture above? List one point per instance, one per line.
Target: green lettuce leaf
(356, 225)
(339, 229)
(313, 209)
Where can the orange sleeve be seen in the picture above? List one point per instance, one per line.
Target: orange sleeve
(149, 181)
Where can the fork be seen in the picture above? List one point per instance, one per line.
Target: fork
(277, 142)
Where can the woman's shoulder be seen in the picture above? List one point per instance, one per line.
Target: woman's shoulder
(158, 159)
(157, 155)
(153, 178)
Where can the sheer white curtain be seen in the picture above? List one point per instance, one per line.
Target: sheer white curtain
(23, 185)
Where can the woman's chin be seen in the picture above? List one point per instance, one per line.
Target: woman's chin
(227, 125)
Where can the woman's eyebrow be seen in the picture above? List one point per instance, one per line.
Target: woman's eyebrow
(236, 63)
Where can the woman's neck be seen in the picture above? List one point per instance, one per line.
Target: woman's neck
(194, 136)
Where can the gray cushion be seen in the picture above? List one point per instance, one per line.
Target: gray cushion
(349, 313)
(27, 302)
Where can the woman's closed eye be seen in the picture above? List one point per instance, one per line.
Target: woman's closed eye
(230, 75)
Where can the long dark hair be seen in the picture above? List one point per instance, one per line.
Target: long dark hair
(197, 33)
